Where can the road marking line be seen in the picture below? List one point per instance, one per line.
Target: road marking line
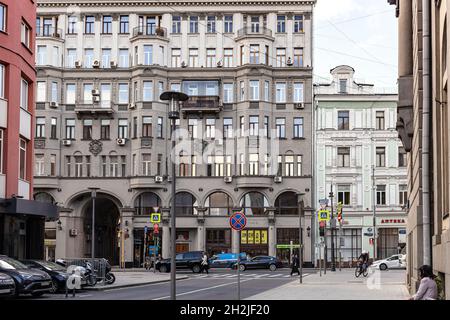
(203, 289)
(287, 276)
(231, 276)
(274, 275)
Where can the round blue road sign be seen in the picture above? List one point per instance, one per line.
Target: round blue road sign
(238, 221)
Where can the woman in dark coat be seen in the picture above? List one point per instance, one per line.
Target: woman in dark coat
(295, 265)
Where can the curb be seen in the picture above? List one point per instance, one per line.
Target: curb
(106, 288)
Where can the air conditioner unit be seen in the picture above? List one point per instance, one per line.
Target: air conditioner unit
(95, 92)
(132, 106)
(121, 142)
(278, 179)
(299, 105)
(96, 99)
(73, 232)
(96, 64)
(158, 179)
(228, 179)
(53, 104)
(67, 142)
(113, 64)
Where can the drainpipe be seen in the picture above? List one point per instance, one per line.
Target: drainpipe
(426, 115)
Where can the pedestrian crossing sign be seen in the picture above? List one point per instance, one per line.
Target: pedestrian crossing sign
(324, 215)
(155, 218)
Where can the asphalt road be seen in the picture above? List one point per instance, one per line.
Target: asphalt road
(220, 284)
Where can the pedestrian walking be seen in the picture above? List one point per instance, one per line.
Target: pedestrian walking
(205, 264)
(295, 265)
(428, 287)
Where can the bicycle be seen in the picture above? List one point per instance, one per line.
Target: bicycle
(361, 269)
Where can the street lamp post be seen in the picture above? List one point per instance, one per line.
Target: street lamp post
(174, 99)
(93, 196)
(300, 250)
(333, 262)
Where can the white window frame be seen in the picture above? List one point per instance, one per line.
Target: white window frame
(228, 93)
(124, 91)
(71, 94)
(254, 90)
(24, 94)
(281, 92)
(298, 92)
(41, 91)
(124, 59)
(147, 91)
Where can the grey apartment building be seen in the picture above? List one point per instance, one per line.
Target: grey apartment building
(244, 138)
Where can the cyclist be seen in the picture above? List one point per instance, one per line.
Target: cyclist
(364, 260)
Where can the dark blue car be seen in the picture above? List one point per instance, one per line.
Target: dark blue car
(225, 260)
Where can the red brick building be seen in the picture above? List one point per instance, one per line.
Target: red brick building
(21, 218)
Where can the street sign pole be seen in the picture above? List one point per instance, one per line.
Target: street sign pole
(238, 221)
(239, 266)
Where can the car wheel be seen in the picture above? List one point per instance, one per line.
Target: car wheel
(383, 266)
(163, 269)
(272, 267)
(196, 268)
(54, 287)
(242, 267)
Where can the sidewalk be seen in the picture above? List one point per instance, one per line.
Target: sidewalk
(133, 279)
(342, 285)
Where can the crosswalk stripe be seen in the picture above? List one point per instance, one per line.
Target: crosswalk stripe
(274, 275)
(262, 275)
(286, 276)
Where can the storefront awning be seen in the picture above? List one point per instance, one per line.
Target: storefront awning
(28, 207)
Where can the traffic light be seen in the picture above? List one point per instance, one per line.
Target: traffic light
(322, 229)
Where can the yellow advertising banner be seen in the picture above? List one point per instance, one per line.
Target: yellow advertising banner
(244, 237)
(263, 236)
(257, 236)
(250, 237)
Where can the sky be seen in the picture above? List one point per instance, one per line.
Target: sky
(359, 33)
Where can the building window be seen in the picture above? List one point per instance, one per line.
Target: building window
(53, 165)
(113, 166)
(88, 166)
(70, 93)
(254, 203)
(266, 126)
(343, 120)
(402, 160)
(344, 194)
(380, 120)
(254, 90)
(193, 24)
(123, 129)
(147, 127)
(87, 93)
(1, 150)
(107, 25)
(227, 128)
(70, 129)
(39, 165)
(210, 58)
(192, 128)
(298, 23)
(289, 166)
(146, 164)
(228, 93)
(87, 129)
(281, 92)
(298, 128)
(2, 81)
(298, 57)
(242, 125)
(123, 93)
(343, 86)
(89, 24)
(281, 24)
(26, 34)
(254, 126)
(242, 91)
(41, 91)
(106, 58)
(254, 21)
(343, 157)
(72, 25)
(105, 129)
(253, 164)
(56, 57)
(78, 166)
(24, 94)
(211, 24)
(403, 194)
(298, 92)
(147, 91)
(103, 166)
(176, 24)
(381, 195)
(281, 57)
(22, 159)
(228, 58)
(42, 55)
(54, 92)
(2, 17)
(176, 58)
(266, 91)
(228, 24)
(40, 127)
(123, 58)
(88, 58)
(159, 129)
(148, 54)
(381, 156)
(210, 128)
(281, 128)
(53, 128)
(193, 57)
(254, 53)
(136, 56)
(124, 24)
(299, 166)
(70, 58)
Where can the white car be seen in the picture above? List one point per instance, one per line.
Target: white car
(397, 261)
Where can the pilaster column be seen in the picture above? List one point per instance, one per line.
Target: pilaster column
(62, 233)
(201, 231)
(165, 233)
(127, 240)
(272, 234)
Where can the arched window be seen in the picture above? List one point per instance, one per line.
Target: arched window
(254, 204)
(147, 203)
(219, 204)
(286, 204)
(44, 197)
(185, 204)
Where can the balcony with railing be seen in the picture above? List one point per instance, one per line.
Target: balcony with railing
(49, 32)
(254, 31)
(149, 31)
(94, 109)
(201, 104)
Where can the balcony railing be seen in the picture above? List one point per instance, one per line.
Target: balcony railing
(254, 30)
(151, 30)
(201, 104)
(48, 31)
(92, 108)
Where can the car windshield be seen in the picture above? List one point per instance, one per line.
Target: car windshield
(11, 264)
(51, 266)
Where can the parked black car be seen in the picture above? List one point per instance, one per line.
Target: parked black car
(187, 260)
(27, 280)
(7, 286)
(260, 262)
(57, 273)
